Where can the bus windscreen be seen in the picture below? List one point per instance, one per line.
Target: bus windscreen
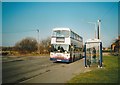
(59, 48)
(61, 33)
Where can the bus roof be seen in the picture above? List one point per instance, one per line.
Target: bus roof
(61, 29)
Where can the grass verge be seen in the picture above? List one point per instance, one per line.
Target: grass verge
(107, 74)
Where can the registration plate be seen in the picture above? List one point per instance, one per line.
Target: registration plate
(58, 60)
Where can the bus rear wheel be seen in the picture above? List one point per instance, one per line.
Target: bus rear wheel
(74, 58)
(80, 56)
(71, 60)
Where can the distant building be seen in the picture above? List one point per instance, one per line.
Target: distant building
(105, 48)
(0, 50)
(115, 47)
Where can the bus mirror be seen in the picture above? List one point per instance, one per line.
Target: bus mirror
(72, 47)
(49, 46)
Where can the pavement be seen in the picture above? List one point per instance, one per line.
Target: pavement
(40, 70)
(60, 73)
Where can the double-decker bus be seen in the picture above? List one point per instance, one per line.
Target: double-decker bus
(66, 45)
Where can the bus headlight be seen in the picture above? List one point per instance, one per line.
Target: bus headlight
(67, 56)
(65, 51)
(51, 53)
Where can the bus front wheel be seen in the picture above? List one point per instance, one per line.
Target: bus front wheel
(80, 56)
(71, 60)
(74, 58)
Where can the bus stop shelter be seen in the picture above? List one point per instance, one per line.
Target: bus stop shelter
(93, 52)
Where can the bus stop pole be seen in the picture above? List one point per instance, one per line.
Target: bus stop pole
(100, 54)
(85, 56)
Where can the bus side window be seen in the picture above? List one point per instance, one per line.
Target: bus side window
(51, 48)
(71, 48)
(75, 48)
(80, 49)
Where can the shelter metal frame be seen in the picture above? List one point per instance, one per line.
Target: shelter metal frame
(100, 51)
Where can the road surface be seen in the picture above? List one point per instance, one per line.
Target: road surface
(40, 70)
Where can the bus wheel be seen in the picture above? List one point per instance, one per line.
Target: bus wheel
(74, 58)
(71, 60)
(80, 56)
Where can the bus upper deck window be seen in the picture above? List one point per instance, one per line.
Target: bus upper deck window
(61, 33)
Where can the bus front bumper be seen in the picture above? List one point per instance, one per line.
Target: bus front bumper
(61, 60)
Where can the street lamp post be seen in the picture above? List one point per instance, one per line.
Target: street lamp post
(38, 41)
(95, 27)
(98, 28)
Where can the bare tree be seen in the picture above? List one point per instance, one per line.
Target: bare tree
(29, 45)
(26, 45)
(44, 46)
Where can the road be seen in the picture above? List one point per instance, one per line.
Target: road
(40, 70)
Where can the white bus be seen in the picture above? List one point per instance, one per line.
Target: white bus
(66, 45)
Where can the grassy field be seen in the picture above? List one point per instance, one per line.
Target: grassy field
(107, 74)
